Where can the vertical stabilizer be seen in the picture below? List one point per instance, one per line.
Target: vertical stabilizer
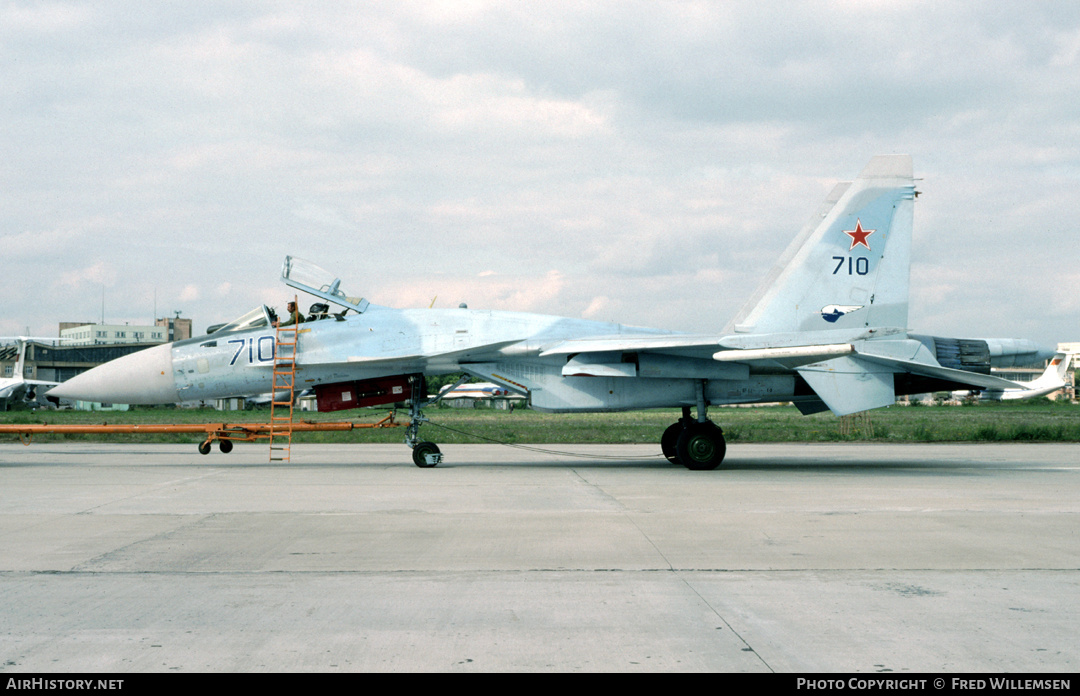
(19, 371)
(851, 270)
(1053, 378)
(1056, 374)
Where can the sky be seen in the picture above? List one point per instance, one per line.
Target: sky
(639, 162)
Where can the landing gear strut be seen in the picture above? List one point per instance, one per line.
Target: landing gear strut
(424, 454)
(698, 444)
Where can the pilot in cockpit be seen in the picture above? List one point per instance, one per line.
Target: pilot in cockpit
(295, 317)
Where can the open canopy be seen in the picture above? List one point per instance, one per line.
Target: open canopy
(306, 276)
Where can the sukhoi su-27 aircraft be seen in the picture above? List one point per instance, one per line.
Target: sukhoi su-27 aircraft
(827, 330)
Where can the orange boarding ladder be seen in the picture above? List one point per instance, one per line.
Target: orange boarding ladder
(281, 410)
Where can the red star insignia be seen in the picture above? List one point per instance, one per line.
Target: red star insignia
(859, 235)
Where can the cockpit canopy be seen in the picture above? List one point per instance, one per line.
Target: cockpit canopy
(255, 319)
(306, 276)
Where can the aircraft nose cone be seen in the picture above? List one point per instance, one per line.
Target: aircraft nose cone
(145, 377)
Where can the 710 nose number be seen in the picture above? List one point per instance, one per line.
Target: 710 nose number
(259, 350)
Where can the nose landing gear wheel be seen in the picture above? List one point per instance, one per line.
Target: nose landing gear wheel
(421, 452)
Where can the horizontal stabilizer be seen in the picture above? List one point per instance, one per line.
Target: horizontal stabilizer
(973, 379)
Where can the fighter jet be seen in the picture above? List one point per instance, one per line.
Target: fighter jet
(827, 330)
(19, 390)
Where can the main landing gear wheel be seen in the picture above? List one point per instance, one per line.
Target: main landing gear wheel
(670, 440)
(420, 454)
(701, 446)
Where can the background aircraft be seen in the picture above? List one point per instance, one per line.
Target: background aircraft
(1050, 381)
(19, 390)
(826, 330)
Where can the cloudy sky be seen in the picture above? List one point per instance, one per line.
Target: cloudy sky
(641, 162)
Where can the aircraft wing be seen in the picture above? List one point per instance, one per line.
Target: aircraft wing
(849, 370)
(791, 350)
(631, 343)
(782, 349)
(39, 383)
(715, 343)
(471, 353)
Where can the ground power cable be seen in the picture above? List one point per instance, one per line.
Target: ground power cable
(542, 449)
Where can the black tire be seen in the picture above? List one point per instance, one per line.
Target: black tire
(204, 447)
(225, 446)
(669, 442)
(420, 452)
(701, 446)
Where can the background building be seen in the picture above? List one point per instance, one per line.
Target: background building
(87, 334)
(177, 328)
(83, 345)
(84, 333)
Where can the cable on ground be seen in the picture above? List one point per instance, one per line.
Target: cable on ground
(542, 449)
